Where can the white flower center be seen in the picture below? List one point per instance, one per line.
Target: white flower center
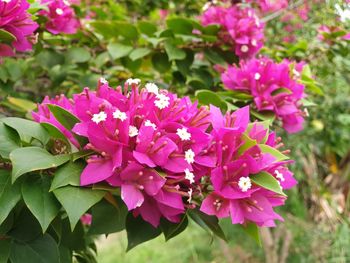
(189, 156)
(279, 175)
(148, 123)
(133, 131)
(133, 81)
(244, 184)
(254, 43)
(162, 101)
(103, 81)
(257, 76)
(119, 115)
(98, 117)
(152, 88)
(183, 134)
(59, 11)
(244, 48)
(189, 176)
(66, 2)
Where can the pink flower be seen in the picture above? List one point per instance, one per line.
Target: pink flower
(61, 17)
(15, 19)
(86, 219)
(273, 86)
(240, 28)
(270, 5)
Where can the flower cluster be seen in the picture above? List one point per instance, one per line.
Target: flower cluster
(241, 28)
(274, 87)
(61, 16)
(15, 19)
(168, 155)
(270, 5)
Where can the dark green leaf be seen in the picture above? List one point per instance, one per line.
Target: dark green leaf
(139, 53)
(68, 174)
(117, 50)
(253, 231)
(29, 159)
(78, 55)
(5, 248)
(77, 200)
(6, 37)
(214, 57)
(208, 97)
(147, 28)
(267, 181)
(139, 231)
(9, 140)
(161, 62)
(55, 133)
(174, 52)
(180, 25)
(170, 229)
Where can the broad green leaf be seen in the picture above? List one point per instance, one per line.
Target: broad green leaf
(139, 53)
(147, 28)
(248, 143)
(81, 154)
(180, 25)
(10, 194)
(274, 152)
(208, 97)
(207, 222)
(9, 140)
(77, 200)
(39, 200)
(29, 159)
(78, 55)
(267, 181)
(55, 133)
(263, 115)
(211, 29)
(235, 94)
(126, 30)
(5, 248)
(160, 62)
(173, 51)
(117, 50)
(115, 221)
(214, 57)
(139, 231)
(184, 65)
(253, 231)
(41, 250)
(104, 28)
(65, 254)
(27, 129)
(22, 104)
(6, 37)
(170, 229)
(74, 240)
(7, 225)
(68, 174)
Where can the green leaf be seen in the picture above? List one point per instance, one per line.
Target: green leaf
(207, 222)
(253, 231)
(248, 143)
(81, 154)
(22, 104)
(263, 115)
(208, 97)
(147, 28)
(115, 221)
(39, 200)
(55, 133)
(267, 181)
(214, 57)
(68, 174)
(41, 250)
(126, 30)
(29, 159)
(78, 55)
(139, 53)
(174, 52)
(160, 62)
(139, 231)
(10, 194)
(26, 128)
(9, 140)
(77, 200)
(5, 248)
(6, 37)
(274, 152)
(170, 229)
(117, 50)
(180, 25)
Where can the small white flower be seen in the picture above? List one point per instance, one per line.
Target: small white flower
(189, 156)
(117, 114)
(66, 2)
(307, 114)
(279, 175)
(206, 6)
(6, 1)
(103, 81)
(133, 81)
(98, 117)
(244, 48)
(148, 123)
(162, 101)
(59, 11)
(244, 184)
(189, 176)
(152, 88)
(254, 43)
(296, 73)
(190, 191)
(183, 134)
(133, 131)
(257, 76)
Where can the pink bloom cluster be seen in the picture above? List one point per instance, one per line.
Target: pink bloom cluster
(270, 5)
(61, 16)
(15, 19)
(240, 28)
(330, 34)
(273, 86)
(167, 155)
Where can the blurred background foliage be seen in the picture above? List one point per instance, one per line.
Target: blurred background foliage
(121, 39)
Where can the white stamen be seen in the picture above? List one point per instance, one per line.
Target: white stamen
(244, 48)
(162, 101)
(189, 156)
(133, 81)
(190, 191)
(189, 176)
(133, 131)
(254, 43)
(244, 184)
(59, 11)
(257, 76)
(279, 176)
(148, 123)
(183, 134)
(103, 81)
(152, 88)
(117, 114)
(98, 117)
